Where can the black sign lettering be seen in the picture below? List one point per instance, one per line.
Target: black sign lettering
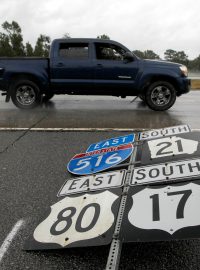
(154, 173)
(154, 133)
(73, 185)
(139, 172)
(180, 208)
(86, 183)
(60, 218)
(183, 128)
(197, 166)
(165, 146)
(180, 166)
(98, 180)
(166, 171)
(110, 178)
(79, 227)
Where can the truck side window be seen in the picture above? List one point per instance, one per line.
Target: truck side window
(109, 52)
(74, 51)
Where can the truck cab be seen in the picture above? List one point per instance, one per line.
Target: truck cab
(92, 67)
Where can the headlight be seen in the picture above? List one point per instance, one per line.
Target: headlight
(184, 70)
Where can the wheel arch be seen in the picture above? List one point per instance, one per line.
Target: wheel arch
(156, 78)
(27, 76)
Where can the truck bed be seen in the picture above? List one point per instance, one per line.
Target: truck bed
(34, 66)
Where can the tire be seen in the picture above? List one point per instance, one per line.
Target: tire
(25, 94)
(160, 96)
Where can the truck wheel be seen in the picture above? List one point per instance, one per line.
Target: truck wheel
(160, 96)
(25, 94)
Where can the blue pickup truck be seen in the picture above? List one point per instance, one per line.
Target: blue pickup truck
(91, 67)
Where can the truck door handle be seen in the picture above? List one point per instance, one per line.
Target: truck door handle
(99, 65)
(60, 64)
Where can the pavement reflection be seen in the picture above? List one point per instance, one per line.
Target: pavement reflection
(101, 112)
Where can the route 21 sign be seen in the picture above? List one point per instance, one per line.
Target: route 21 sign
(99, 160)
(182, 146)
(164, 212)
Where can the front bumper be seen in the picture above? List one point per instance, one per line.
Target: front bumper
(184, 86)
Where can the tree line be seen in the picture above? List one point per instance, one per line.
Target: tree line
(12, 45)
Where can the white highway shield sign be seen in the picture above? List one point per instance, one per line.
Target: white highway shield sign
(126, 139)
(168, 131)
(99, 160)
(177, 170)
(84, 220)
(92, 183)
(162, 213)
(174, 148)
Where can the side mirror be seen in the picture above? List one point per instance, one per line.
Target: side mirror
(128, 57)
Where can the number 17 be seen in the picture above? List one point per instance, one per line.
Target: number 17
(180, 207)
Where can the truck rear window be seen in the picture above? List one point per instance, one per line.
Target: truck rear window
(74, 50)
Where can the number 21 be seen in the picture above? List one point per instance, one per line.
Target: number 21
(166, 145)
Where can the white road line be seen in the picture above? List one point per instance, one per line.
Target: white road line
(70, 129)
(81, 129)
(4, 247)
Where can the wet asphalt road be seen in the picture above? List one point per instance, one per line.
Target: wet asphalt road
(101, 112)
(32, 171)
(33, 168)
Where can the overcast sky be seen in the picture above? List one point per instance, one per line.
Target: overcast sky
(145, 24)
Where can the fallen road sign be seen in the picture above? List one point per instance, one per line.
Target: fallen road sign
(99, 160)
(92, 183)
(126, 139)
(155, 199)
(162, 212)
(173, 148)
(176, 171)
(76, 221)
(168, 131)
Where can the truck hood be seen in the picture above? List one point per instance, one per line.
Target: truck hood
(160, 63)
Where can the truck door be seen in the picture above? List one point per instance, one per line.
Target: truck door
(113, 75)
(71, 69)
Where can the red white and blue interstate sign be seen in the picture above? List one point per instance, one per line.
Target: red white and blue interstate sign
(117, 141)
(99, 160)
